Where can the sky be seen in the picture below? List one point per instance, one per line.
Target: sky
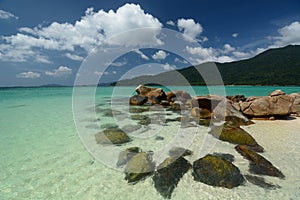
(49, 41)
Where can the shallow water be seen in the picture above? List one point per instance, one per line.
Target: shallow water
(42, 156)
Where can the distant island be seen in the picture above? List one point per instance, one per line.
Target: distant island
(280, 66)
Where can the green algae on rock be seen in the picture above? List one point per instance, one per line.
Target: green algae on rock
(216, 171)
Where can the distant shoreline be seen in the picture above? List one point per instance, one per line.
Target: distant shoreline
(62, 86)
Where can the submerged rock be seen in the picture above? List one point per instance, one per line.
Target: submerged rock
(127, 154)
(138, 100)
(179, 151)
(112, 136)
(216, 171)
(235, 135)
(139, 167)
(258, 164)
(260, 181)
(131, 128)
(168, 174)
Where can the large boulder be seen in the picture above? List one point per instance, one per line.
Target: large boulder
(138, 100)
(237, 98)
(112, 136)
(276, 93)
(268, 106)
(220, 107)
(235, 135)
(216, 171)
(139, 167)
(258, 164)
(154, 95)
(168, 174)
(296, 105)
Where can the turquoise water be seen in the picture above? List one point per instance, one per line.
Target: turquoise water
(42, 156)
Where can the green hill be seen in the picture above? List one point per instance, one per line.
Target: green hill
(279, 66)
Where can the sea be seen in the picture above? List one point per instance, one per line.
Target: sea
(48, 148)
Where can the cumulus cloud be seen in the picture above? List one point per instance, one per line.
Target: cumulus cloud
(171, 23)
(228, 48)
(289, 34)
(87, 33)
(29, 74)
(141, 54)
(160, 55)
(190, 29)
(7, 15)
(59, 72)
(210, 54)
(235, 35)
(118, 64)
(74, 57)
(168, 67)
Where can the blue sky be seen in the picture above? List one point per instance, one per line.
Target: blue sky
(45, 42)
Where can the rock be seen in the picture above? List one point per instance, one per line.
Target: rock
(237, 98)
(225, 111)
(109, 126)
(108, 112)
(131, 128)
(202, 113)
(112, 136)
(217, 171)
(268, 106)
(138, 109)
(220, 107)
(159, 138)
(143, 119)
(168, 174)
(154, 95)
(296, 104)
(170, 96)
(258, 164)
(138, 100)
(226, 156)
(127, 154)
(208, 102)
(139, 167)
(176, 106)
(260, 181)
(235, 135)
(276, 93)
(179, 151)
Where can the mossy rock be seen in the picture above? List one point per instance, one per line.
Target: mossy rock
(258, 164)
(235, 135)
(112, 136)
(217, 171)
(131, 128)
(139, 167)
(168, 174)
(127, 154)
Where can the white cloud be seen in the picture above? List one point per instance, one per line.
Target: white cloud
(228, 48)
(190, 28)
(160, 55)
(59, 72)
(87, 33)
(118, 64)
(171, 23)
(201, 55)
(141, 54)
(242, 55)
(29, 75)
(168, 67)
(7, 15)
(235, 35)
(74, 57)
(289, 34)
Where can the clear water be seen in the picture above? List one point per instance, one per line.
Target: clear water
(42, 156)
